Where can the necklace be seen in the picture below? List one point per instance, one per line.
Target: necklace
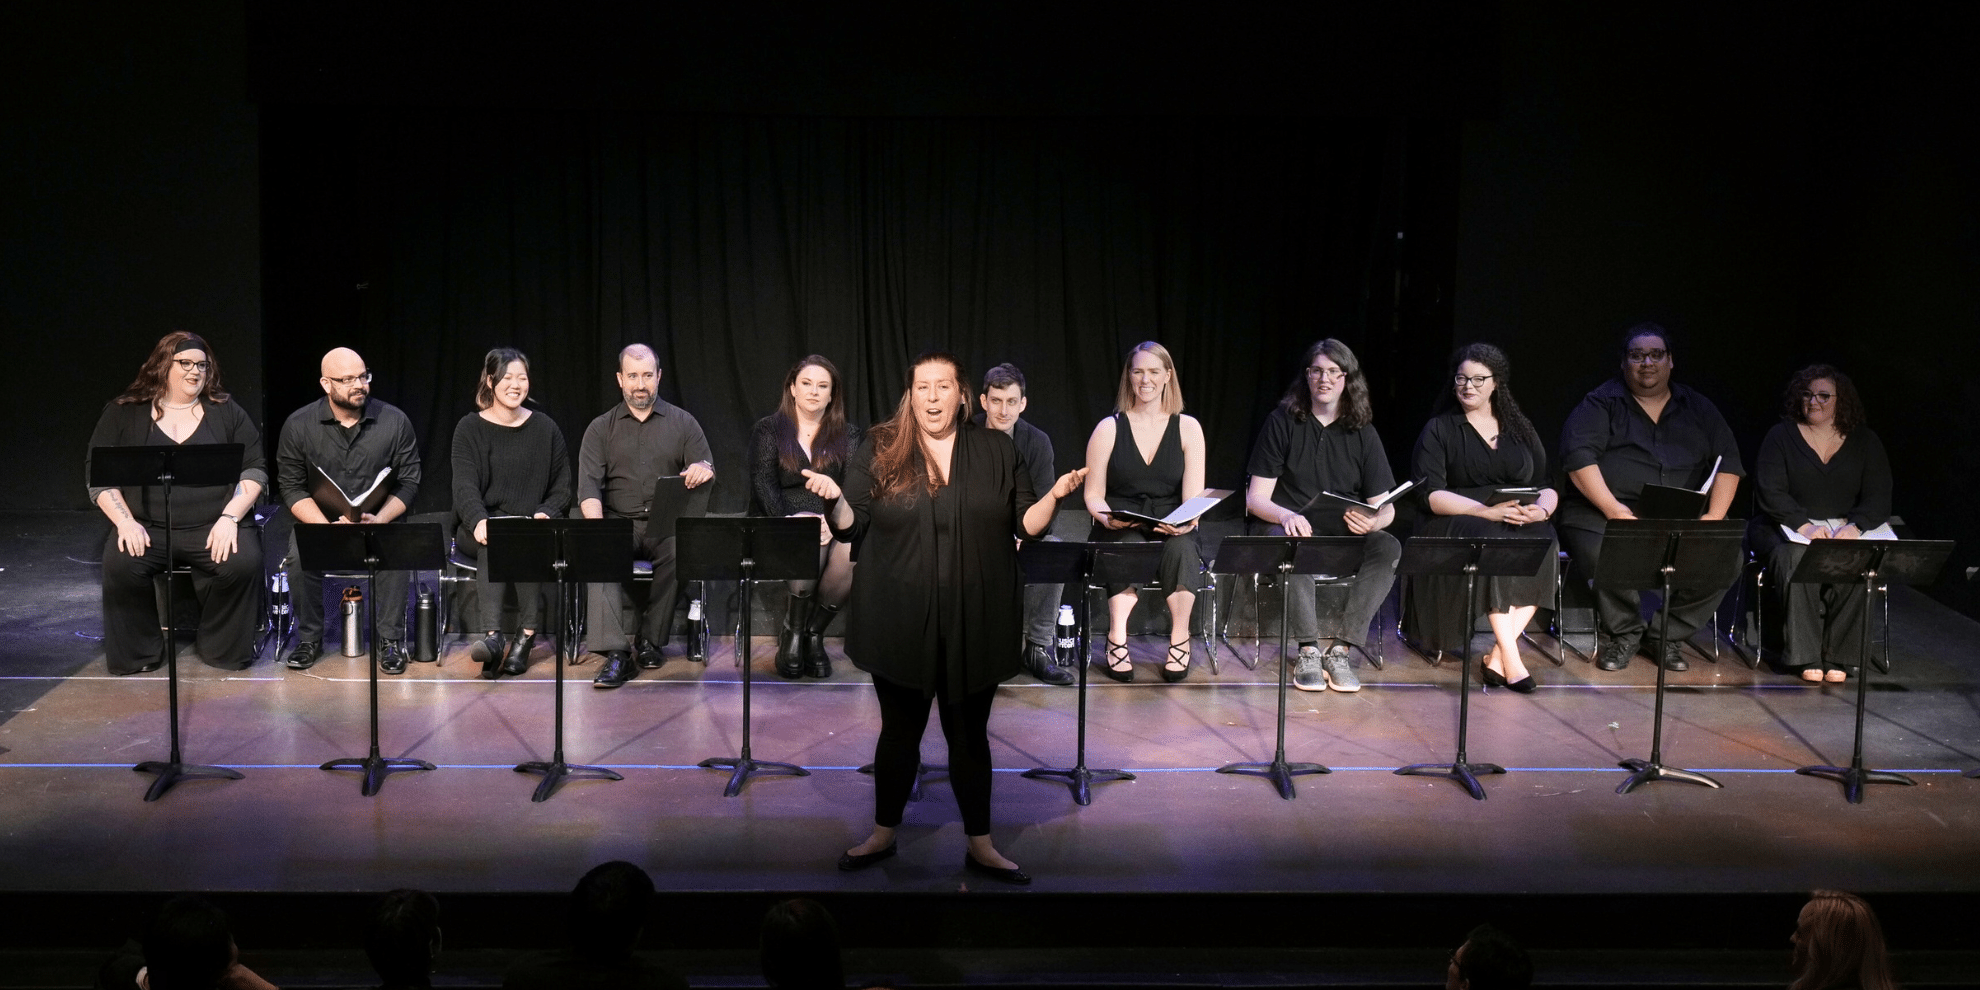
(162, 404)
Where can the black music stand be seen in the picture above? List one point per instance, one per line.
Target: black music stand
(747, 549)
(674, 500)
(1046, 562)
(199, 464)
(1321, 556)
(371, 547)
(566, 552)
(1875, 563)
(1668, 555)
(1473, 557)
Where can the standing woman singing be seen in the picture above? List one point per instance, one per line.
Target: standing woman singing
(1148, 457)
(937, 600)
(808, 432)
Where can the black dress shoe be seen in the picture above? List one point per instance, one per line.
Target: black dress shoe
(1666, 653)
(617, 669)
(1117, 654)
(303, 657)
(1524, 685)
(1615, 654)
(1012, 876)
(488, 653)
(146, 669)
(850, 862)
(650, 657)
(790, 641)
(516, 661)
(391, 657)
(1038, 663)
(1492, 678)
(817, 663)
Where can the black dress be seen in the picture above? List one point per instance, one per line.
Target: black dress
(1451, 456)
(1152, 488)
(775, 491)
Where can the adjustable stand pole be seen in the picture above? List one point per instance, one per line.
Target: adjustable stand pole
(1854, 776)
(1654, 769)
(374, 765)
(175, 769)
(1078, 776)
(742, 766)
(555, 771)
(1463, 770)
(1279, 772)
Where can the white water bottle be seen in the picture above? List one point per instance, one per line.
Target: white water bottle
(1068, 653)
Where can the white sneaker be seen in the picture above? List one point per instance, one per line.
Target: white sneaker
(1340, 676)
(1307, 675)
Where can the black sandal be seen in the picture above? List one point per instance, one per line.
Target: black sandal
(1123, 673)
(1178, 653)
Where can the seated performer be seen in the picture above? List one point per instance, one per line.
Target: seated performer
(808, 432)
(1823, 474)
(508, 461)
(177, 399)
(624, 451)
(1003, 403)
(349, 436)
(1638, 429)
(1320, 439)
(1477, 442)
(1148, 458)
(937, 502)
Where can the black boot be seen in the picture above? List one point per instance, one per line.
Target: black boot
(817, 662)
(790, 643)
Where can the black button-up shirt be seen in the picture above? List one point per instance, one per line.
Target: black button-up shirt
(1034, 453)
(621, 457)
(1610, 429)
(352, 456)
(1308, 458)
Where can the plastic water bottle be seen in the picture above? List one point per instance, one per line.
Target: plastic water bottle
(278, 597)
(1068, 652)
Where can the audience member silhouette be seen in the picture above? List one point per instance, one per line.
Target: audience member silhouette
(186, 946)
(602, 921)
(1838, 944)
(1488, 960)
(402, 938)
(799, 947)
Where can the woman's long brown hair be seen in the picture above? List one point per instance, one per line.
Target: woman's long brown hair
(150, 382)
(829, 448)
(899, 459)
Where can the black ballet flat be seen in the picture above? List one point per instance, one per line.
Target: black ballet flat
(1123, 674)
(998, 873)
(1493, 678)
(849, 862)
(1524, 685)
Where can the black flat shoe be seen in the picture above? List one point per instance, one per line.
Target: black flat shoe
(998, 873)
(1492, 678)
(488, 653)
(849, 862)
(1524, 685)
(1123, 673)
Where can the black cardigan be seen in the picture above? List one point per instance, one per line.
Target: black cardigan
(1792, 485)
(129, 425)
(891, 626)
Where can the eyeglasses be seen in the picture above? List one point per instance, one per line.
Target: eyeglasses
(1475, 381)
(350, 380)
(1819, 398)
(1647, 357)
(188, 364)
(1328, 374)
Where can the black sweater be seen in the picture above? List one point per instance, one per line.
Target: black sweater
(509, 470)
(1794, 486)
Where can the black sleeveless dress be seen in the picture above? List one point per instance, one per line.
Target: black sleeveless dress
(1152, 488)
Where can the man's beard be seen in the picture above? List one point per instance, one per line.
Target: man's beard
(353, 403)
(640, 399)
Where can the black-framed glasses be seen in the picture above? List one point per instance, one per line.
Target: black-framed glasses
(1475, 381)
(1819, 398)
(1647, 357)
(349, 380)
(1327, 374)
(188, 364)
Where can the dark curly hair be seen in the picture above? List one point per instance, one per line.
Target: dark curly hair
(150, 382)
(1355, 409)
(1504, 408)
(1849, 406)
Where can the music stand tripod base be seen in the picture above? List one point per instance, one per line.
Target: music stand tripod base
(170, 773)
(1644, 771)
(1466, 774)
(1853, 778)
(556, 772)
(375, 769)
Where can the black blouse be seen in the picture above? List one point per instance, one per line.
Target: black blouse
(1451, 456)
(1308, 458)
(1152, 488)
(131, 425)
(940, 599)
(778, 492)
(510, 470)
(1793, 485)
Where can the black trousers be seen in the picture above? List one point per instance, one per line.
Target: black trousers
(228, 593)
(1619, 614)
(896, 757)
(388, 600)
(1824, 623)
(488, 594)
(612, 615)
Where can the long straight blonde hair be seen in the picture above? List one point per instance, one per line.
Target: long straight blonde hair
(1172, 400)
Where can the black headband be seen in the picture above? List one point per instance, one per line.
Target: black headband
(192, 343)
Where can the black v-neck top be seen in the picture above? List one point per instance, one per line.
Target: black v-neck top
(1152, 488)
(1451, 456)
(1794, 486)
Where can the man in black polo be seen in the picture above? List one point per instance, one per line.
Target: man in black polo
(624, 452)
(1003, 403)
(349, 436)
(1634, 430)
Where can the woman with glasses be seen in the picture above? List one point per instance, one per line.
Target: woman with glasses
(808, 435)
(177, 400)
(1822, 475)
(1148, 458)
(508, 461)
(1484, 473)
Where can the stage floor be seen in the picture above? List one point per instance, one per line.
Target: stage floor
(72, 818)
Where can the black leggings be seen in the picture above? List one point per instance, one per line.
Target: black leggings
(896, 757)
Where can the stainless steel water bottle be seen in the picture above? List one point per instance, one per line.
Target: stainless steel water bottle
(426, 637)
(353, 608)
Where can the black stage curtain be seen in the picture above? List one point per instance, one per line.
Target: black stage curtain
(734, 245)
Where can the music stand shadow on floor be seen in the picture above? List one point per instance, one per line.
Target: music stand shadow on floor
(1473, 557)
(747, 549)
(1668, 555)
(567, 553)
(201, 464)
(370, 548)
(1876, 563)
(1328, 558)
(1077, 564)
